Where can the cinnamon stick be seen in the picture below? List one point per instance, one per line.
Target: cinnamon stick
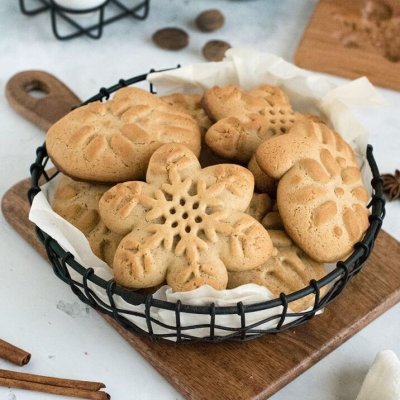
(13, 354)
(48, 380)
(64, 391)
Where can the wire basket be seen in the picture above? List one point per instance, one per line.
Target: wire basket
(108, 12)
(213, 330)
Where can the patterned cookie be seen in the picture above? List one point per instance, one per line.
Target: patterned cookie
(191, 104)
(104, 243)
(321, 197)
(259, 205)
(263, 182)
(186, 224)
(245, 119)
(287, 271)
(113, 141)
(78, 203)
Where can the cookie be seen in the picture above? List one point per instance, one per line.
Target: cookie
(191, 104)
(272, 220)
(289, 269)
(104, 243)
(286, 271)
(185, 224)
(245, 119)
(321, 197)
(78, 203)
(259, 205)
(114, 140)
(263, 182)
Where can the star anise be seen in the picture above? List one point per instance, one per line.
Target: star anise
(391, 185)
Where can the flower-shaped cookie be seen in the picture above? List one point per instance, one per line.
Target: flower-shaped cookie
(191, 104)
(78, 203)
(289, 269)
(259, 205)
(262, 182)
(245, 119)
(186, 224)
(113, 141)
(321, 197)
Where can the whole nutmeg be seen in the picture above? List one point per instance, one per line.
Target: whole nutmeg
(171, 38)
(210, 20)
(214, 50)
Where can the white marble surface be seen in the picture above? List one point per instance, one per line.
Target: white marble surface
(37, 311)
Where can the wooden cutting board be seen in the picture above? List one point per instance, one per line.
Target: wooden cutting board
(256, 369)
(340, 41)
(251, 370)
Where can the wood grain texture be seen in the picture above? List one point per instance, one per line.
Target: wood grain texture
(256, 369)
(322, 45)
(43, 112)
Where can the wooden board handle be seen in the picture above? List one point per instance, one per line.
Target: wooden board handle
(56, 100)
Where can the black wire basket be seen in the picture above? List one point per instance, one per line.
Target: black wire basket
(106, 13)
(273, 314)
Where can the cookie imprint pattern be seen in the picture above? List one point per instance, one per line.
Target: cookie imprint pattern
(186, 223)
(245, 119)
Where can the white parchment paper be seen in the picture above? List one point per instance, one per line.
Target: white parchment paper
(247, 68)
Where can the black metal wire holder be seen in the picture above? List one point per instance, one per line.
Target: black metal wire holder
(333, 283)
(140, 12)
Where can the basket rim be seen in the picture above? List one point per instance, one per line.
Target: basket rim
(361, 251)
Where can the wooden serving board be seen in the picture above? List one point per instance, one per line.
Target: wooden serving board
(259, 368)
(340, 41)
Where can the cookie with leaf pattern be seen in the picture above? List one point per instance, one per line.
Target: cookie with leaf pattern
(185, 224)
(263, 182)
(321, 197)
(78, 203)
(288, 269)
(244, 119)
(112, 141)
(191, 104)
(259, 205)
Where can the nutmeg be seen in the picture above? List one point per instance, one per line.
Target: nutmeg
(214, 50)
(210, 20)
(171, 38)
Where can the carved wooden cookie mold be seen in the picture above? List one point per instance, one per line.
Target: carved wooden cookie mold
(376, 28)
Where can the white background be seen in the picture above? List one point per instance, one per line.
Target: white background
(37, 311)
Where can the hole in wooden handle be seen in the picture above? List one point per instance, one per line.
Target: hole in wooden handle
(37, 89)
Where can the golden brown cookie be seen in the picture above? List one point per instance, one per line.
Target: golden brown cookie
(186, 224)
(272, 220)
(287, 271)
(191, 104)
(260, 204)
(104, 242)
(113, 141)
(245, 119)
(321, 197)
(263, 182)
(78, 203)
